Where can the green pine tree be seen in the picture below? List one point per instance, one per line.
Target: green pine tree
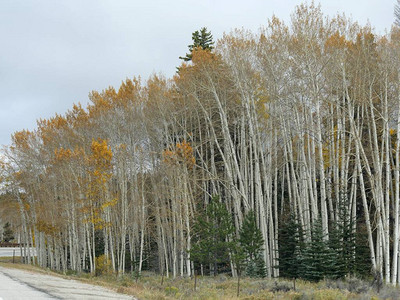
(261, 270)
(290, 248)
(343, 241)
(252, 241)
(8, 234)
(213, 236)
(318, 259)
(201, 39)
(362, 265)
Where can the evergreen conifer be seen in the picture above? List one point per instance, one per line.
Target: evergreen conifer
(290, 248)
(318, 259)
(201, 39)
(343, 241)
(8, 234)
(252, 241)
(213, 236)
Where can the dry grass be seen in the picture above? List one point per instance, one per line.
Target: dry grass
(224, 287)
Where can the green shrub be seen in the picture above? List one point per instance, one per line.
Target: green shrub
(70, 272)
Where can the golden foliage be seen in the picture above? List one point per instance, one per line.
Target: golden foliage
(61, 153)
(77, 117)
(46, 227)
(103, 265)
(101, 155)
(21, 139)
(99, 174)
(66, 155)
(110, 203)
(182, 153)
(337, 41)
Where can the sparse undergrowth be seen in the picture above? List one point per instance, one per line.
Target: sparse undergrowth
(152, 286)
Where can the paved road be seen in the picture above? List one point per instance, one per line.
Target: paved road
(20, 285)
(8, 251)
(12, 289)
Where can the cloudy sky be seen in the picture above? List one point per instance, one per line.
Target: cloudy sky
(53, 53)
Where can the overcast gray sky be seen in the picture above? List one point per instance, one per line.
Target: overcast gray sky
(53, 53)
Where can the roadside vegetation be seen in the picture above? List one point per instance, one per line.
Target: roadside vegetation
(152, 286)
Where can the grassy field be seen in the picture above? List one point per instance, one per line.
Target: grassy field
(152, 286)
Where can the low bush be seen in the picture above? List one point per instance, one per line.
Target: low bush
(352, 284)
(280, 287)
(103, 266)
(171, 290)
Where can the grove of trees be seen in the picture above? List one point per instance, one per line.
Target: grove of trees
(293, 130)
